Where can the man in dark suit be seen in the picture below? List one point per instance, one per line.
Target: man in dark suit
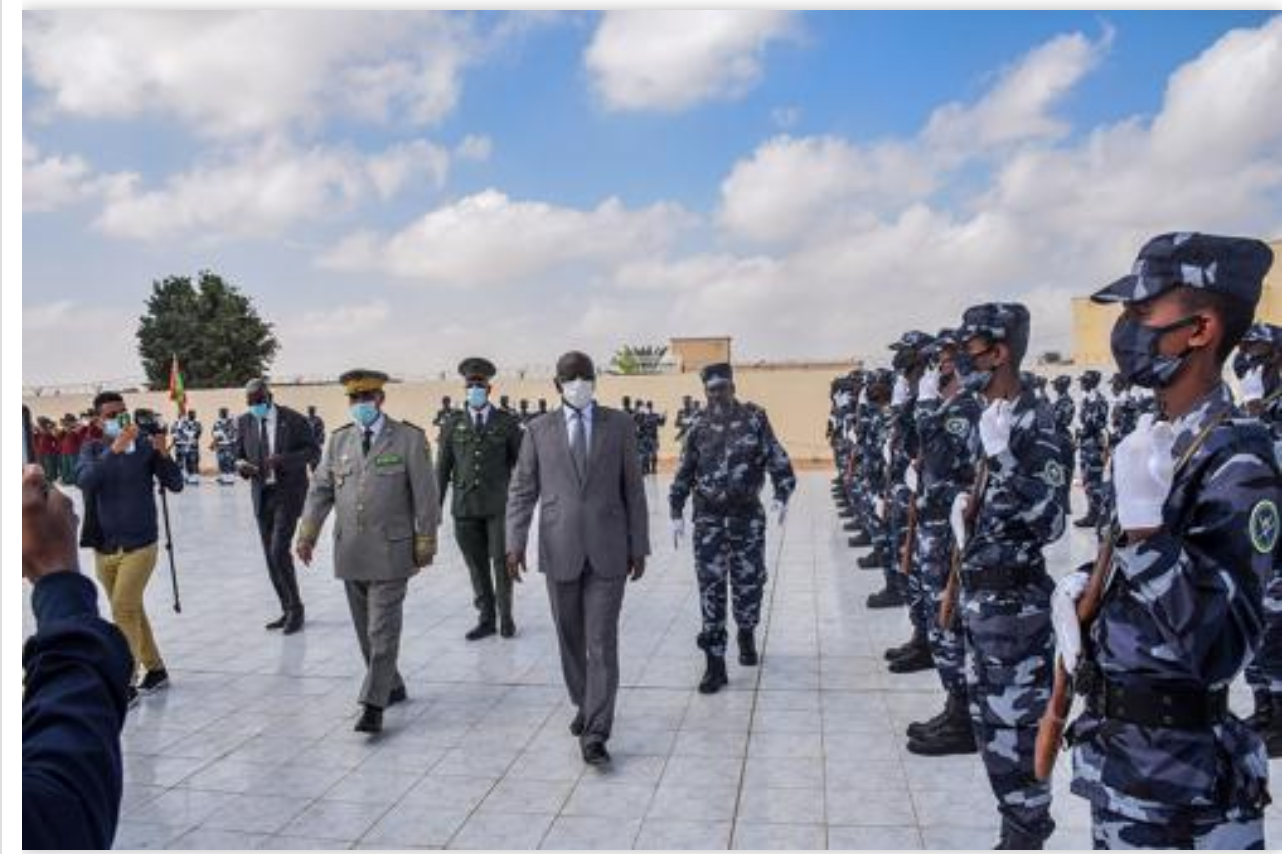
(478, 449)
(275, 446)
(581, 464)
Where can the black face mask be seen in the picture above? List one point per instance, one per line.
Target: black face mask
(972, 378)
(904, 361)
(1135, 351)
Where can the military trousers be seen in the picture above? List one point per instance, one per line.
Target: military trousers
(1111, 830)
(1091, 456)
(729, 551)
(1009, 648)
(1264, 673)
(481, 539)
(932, 563)
(376, 608)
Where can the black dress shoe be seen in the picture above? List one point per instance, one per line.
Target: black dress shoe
(278, 623)
(482, 630)
(507, 628)
(594, 753)
(398, 695)
(576, 725)
(371, 720)
(293, 623)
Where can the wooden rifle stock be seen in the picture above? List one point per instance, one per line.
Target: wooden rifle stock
(1050, 729)
(952, 588)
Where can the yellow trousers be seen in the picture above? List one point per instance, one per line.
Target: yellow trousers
(124, 575)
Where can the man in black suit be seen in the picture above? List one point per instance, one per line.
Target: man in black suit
(275, 446)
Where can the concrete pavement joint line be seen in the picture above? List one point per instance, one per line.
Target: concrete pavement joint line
(774, 578)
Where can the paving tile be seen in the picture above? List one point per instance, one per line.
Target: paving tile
(572, 832)
(755, 836)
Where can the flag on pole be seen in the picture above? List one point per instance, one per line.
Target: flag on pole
(177, 393)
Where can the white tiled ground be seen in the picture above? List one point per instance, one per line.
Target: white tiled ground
(253, 746)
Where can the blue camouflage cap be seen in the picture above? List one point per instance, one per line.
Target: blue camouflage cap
(1263, 333)
(716, 374)
(913, 340)
(1234, 266)
(997, 321)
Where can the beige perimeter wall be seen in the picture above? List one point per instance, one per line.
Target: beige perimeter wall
(797, 400)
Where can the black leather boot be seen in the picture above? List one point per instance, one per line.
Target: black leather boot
(954, 736)
(714, 678)
(748, 648)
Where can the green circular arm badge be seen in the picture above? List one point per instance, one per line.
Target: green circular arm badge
(1263, 526)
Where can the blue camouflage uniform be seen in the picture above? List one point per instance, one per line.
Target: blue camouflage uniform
(224, 435)
(950, 448)
(1158, 754)
(1065, 412)
(1092, 443)
(724, 462)
(871, 470)
(187, 431)
(1183, 612)
(903, 451)
(1005, 599)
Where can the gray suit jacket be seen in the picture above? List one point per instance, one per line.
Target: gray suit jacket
(603, 520)
(381, 501)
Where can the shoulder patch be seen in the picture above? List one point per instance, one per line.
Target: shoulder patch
(1263, 526)
(956, 426)
(1053, 473)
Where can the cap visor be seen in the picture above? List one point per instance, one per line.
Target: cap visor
(1123, 290)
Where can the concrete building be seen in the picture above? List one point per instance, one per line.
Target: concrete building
(691, 354)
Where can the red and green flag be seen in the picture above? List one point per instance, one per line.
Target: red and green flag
(177, 391)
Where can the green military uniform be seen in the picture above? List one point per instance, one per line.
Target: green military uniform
(478, 450)
(386, 512)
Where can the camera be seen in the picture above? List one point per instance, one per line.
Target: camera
(149, 423)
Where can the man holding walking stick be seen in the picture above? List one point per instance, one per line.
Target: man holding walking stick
(116, 474)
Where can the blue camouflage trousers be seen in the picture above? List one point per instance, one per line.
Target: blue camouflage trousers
(931, 563)
(729, 549)
(910, 584)
(1091, 455)
(1264, 673)
(226, 460)
(1009, 648)
(1113, 830)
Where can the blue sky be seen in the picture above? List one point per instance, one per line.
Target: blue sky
(537, 182)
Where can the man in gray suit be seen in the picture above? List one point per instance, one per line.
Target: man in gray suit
(377, 477)
(581, 464)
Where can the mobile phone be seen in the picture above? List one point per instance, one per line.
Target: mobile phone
(125, 419)
(28, 440)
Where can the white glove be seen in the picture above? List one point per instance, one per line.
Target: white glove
(779, 509)
(910, 478)
(1068, 631)
(928, 385)
(1143, 469)
(678, 532)
(899, 396)
(1253, 385)
(886, 455)
(879, 507)
(957, 518)
(842, 399)
(863, 397)
(994, 426)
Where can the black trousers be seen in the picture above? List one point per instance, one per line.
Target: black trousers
(481, 540)
(276, 524)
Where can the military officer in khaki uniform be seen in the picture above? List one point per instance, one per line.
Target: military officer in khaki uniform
(377, 477)
(479, 447)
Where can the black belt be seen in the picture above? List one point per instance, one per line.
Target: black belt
(1158, 707)
(727, 507)
(1000, 577)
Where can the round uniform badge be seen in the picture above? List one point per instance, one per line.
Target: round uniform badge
(1263, 526)
(1053, 474)
(956, 426)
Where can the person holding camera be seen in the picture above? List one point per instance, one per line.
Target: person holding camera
(115, 474)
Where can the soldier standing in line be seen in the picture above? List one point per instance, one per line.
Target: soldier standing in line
(948, 432)
(318, 430)
(479, 448)
(724, 463)
(1092, 446)
(187, 432)
(1158, 754)
(1065, 411)
(223, 443)
(1005, 589)
(443, 415)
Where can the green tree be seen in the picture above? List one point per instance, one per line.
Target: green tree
(638, 359)
(212, 328)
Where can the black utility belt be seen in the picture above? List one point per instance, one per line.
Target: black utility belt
(1158, 707)
(1000, 577)
(726, 506)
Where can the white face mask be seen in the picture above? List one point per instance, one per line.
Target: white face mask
(578, 393)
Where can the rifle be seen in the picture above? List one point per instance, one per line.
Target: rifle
(952, 589)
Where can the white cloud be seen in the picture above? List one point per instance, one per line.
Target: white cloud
(262, 191)
(673, 60)
(228, 74)
(474, 147)
(52, 182)
(488, 239)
